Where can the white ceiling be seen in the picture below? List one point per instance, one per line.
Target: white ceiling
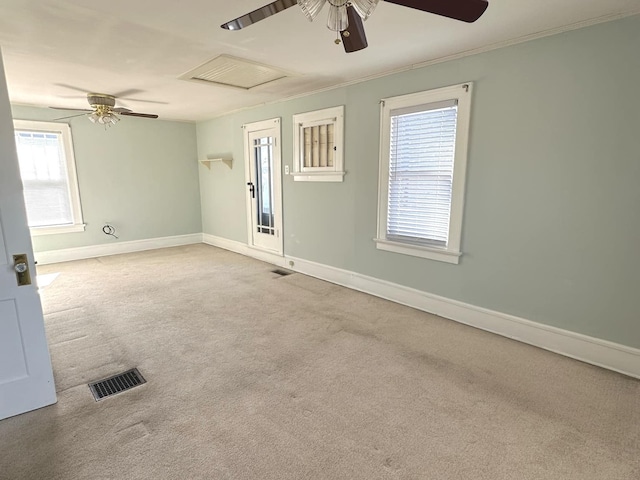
(145, 45)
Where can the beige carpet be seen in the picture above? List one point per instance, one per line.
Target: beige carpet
(255, 376)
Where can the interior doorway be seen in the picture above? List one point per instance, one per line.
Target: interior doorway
(264, 185)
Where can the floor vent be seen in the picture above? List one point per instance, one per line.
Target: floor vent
(116, 384)
(281, 272)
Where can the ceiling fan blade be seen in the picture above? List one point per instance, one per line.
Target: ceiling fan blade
(122, 110)
(126, 93)
(353, 38)
(259, 14)
(72, 109)
(72, 87)
(465, 10)
(145, 101)
(143, 115)
(71, 116)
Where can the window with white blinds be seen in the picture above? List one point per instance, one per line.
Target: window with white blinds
(421, 173)
(48, 176)
(422, 167)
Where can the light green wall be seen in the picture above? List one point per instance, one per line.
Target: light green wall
(552, 218)
(141, 175)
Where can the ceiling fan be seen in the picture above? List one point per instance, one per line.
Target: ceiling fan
(346, 16)
(103, 110)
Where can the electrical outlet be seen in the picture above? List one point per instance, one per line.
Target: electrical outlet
(286, 169)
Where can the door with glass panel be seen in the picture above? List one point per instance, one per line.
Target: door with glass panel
(264, 190)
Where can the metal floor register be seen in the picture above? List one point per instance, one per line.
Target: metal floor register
(116, 384)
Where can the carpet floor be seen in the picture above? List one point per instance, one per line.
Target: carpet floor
(252, 375)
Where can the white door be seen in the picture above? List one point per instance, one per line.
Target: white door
(264, 185)
(26, 378)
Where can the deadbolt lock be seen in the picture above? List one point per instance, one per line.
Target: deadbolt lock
(21, 267)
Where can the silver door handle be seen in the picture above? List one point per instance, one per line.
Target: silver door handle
(21, 267)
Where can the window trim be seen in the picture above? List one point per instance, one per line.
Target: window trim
(325, 116)
(64, 130)
(451, 253)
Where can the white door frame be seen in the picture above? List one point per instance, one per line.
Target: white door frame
(26, 377)
(270, 128)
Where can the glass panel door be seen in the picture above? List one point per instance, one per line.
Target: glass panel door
(264, 205)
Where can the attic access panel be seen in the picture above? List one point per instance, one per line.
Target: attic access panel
(229, 71)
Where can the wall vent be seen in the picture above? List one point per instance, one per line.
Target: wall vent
(229, 71)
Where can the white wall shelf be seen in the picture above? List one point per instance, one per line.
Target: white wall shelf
(208, 161)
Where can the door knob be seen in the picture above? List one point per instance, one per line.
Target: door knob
(21, 267)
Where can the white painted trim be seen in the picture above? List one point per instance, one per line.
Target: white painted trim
(92, 251)
(69, 163)
(319, 176)
(57, 229)
(432, 253)
(244, 249)
(326, 116)
(602, 353)
(591, 350)
(461, 94)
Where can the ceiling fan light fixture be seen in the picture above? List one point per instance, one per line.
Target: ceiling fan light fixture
(101, 117)
(338, 20)
(364, 7)
(111, 119)
(311, 8)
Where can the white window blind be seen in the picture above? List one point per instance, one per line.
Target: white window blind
(421, 160)
(43, 169)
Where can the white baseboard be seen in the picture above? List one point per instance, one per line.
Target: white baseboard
(591, 350)
(92, 251)
(244, 249)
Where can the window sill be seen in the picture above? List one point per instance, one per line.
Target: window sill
(318, 176)
(432, 253)
(57, 229)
